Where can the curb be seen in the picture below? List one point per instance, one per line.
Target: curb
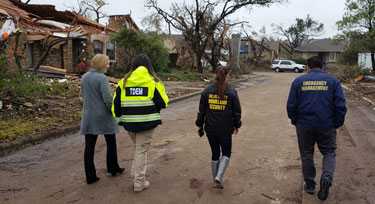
(173, 100)
(18, 144)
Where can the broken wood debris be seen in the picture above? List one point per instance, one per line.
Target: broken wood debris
(267, 196)
(366, 78)
(48, 72)
(17, 103)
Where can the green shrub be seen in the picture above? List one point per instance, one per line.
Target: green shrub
(118, 72)
(300, 60)
(22, 87)
(244, 68)
(137, 42)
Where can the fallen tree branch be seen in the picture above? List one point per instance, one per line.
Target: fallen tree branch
(267, 196)
(20, 104)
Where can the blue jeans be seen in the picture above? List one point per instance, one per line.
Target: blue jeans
(217, 142)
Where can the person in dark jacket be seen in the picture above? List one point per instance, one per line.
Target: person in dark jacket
(139, 97)
(316, 106)
(219, 116)
(97, 118)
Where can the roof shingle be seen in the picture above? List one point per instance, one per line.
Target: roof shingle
(321, 45)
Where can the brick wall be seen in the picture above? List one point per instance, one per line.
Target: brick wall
(8, 49)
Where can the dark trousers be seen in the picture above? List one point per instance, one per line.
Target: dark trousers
(112, 164)
(217, 142)
(326, 140)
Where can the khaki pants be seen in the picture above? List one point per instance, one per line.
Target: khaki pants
(142, 141)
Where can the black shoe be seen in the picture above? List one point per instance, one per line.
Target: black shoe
(309, 187)
(118, 172)
(324, 188)
(93, 180)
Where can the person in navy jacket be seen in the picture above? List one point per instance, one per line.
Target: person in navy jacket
(316, 106)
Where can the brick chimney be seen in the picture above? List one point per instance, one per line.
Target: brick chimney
(305, 40)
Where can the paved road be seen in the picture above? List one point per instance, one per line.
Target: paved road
(265, 165)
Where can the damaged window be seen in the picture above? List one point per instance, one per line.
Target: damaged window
(110, 51)
(98, 47)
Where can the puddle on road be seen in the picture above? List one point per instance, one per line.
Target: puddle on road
(250, 82)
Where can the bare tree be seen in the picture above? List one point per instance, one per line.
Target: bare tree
(89, 8)
(217, 43)
(296, 32)
(257, 47)
(192, 20)
(153, 22)
(26, 2)
(96, 7)
(81, 9)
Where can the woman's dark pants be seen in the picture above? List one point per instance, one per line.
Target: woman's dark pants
(112, 164)
(220, 142)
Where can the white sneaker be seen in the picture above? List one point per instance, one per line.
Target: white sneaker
(141, 188)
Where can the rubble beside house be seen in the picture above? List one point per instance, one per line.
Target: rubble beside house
(180, 55)
(252, 49)
(39, 25)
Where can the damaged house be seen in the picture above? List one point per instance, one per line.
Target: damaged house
(72, 38)
(256, 51)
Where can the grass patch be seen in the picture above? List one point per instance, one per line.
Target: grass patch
(12, 128)
(180, 75)
(21, 87)
(53, 104)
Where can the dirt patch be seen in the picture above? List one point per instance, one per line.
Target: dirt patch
(365, 89)
(238, 193)
(371, 174)
(347, 138)
(292, 167)
(196, 185)
(248, 170)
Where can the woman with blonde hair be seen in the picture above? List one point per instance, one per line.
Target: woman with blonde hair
(97, 118)
(137, 102)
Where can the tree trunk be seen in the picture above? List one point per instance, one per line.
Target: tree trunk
(16, 56)
(373, 61)
(214, 59)
(40, 61)
(46, 53)
(199, 64)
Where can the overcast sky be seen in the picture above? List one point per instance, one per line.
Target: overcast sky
(327, 12)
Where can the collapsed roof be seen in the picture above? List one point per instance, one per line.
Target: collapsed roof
(46, 20)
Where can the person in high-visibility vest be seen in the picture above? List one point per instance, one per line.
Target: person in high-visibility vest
(137, 102)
